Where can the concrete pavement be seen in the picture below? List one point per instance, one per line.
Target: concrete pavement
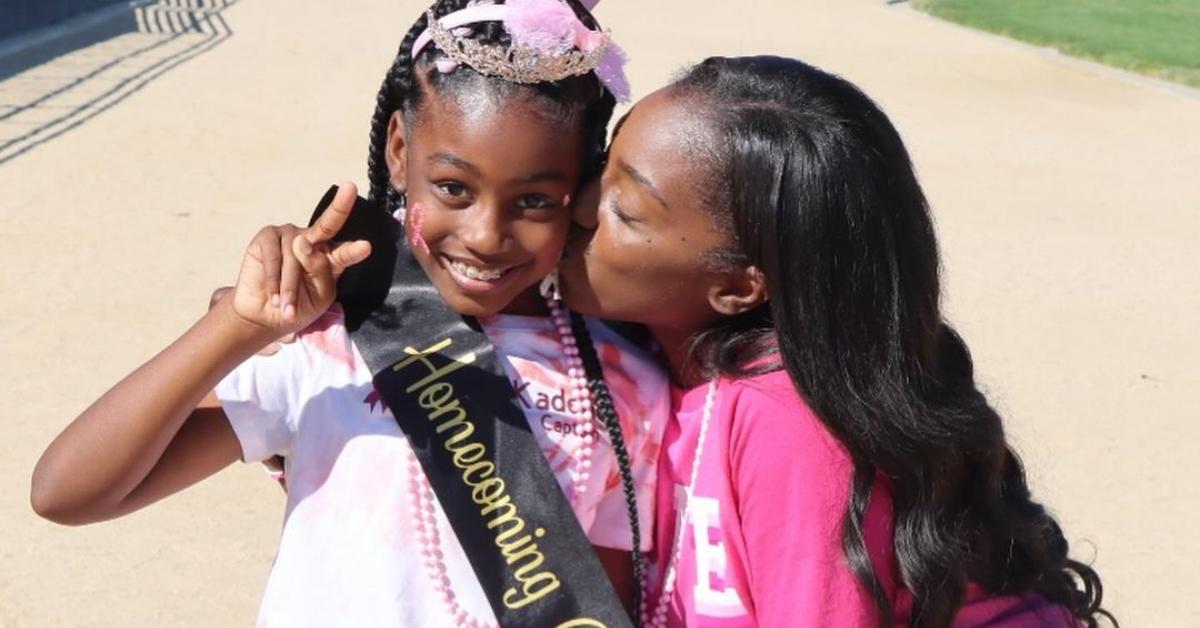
(1066, 202)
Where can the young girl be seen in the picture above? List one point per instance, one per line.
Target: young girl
(488, 120)
(830, 461)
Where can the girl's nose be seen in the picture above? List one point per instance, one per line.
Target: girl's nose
(484, 230)
(583, 210)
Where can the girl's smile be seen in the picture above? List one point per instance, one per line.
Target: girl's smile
(478, 277)
(486, 181)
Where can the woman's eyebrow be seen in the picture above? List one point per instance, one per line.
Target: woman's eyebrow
(643, 181)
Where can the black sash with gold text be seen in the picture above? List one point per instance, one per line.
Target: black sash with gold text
(444, 382)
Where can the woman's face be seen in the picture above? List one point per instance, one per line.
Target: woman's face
(638, 253)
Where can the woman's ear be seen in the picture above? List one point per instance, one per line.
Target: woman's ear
(738, 291)
(396, 152)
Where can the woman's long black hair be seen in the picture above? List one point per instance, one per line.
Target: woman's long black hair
(407, 87)
(816, 189)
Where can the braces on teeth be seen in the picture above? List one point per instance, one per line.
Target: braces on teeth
(475, 273)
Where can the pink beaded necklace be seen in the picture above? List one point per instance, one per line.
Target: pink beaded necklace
(659, 617)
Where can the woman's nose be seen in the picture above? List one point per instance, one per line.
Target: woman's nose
(583, 210)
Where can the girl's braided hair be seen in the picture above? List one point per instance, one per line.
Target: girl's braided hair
(406, 88)
(607, 413)
(409, 82)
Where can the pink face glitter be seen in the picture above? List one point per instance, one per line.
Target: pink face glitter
(418, 222)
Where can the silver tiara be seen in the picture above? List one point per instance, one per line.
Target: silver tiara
(519, 64)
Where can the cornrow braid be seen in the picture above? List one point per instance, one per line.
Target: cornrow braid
(399, 79)
(606, 410)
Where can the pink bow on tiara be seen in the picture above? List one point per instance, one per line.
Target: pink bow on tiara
(548, 43)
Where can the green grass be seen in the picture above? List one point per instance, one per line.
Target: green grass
(1156, 37)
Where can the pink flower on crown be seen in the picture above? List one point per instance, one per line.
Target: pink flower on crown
(548, 26)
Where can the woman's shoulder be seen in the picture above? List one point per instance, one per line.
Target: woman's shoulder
(767, 412)
(779, 447)
(767, 398)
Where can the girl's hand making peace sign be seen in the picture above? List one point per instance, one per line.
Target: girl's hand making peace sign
(161, 427)
(289, 275)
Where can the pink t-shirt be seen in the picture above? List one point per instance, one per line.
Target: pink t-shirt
(762, 545)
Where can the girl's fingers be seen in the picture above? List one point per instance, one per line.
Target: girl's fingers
(291, 275)
(347, 254)
(334, 216)
(314, 261)
(271, 256)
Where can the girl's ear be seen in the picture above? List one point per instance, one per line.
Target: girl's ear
(396, 152)
(738, 291)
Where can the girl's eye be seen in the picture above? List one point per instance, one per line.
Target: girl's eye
(535, 201)
(622, 216)
(452, 189)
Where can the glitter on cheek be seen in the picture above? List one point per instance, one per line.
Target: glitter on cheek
(418, 223)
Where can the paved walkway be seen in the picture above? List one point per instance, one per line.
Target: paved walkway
(1066, 199)
(59, 95)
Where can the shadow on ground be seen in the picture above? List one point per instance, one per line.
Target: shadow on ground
(56, 85)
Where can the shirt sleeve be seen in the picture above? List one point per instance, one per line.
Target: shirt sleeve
(1012, 611)
(260, 398)
(792, 483)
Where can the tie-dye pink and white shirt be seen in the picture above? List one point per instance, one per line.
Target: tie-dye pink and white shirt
(762, 543)
(348, 555)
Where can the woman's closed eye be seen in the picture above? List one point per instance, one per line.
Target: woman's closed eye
(616, 210)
